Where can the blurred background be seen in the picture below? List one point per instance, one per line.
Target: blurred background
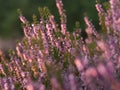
(10, 26)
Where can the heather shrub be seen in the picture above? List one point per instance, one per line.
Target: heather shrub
(49, 57)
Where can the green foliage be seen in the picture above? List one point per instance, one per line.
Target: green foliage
(44, 12)
(35, 20)
(102, 22)
(17, 86)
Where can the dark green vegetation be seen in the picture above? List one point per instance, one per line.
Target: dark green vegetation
(75, 9)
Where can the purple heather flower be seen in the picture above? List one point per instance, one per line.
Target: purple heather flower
(92, 63)
(90, 27)
(52, 21)
(59, 5)
(23, 19)
(99, 8)
(115, 10)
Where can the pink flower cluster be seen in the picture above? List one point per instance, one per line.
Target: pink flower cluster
(49, 57)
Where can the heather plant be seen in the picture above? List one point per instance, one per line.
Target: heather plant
(49, 57)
